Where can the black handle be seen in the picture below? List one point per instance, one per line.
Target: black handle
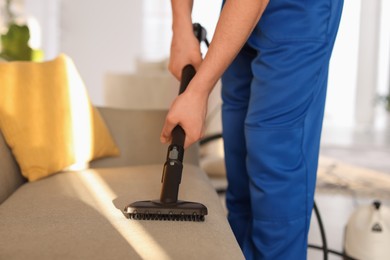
(173, 166)
(187, 74)
(178, 134)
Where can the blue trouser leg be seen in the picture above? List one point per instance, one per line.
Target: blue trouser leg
(234, 110)
(274, 97)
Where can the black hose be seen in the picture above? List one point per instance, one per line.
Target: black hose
(210, 138)
(345, 257)
(207, 43)
(322, 230)
(324, 246)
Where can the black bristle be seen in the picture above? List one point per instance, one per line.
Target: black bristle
(166, 217)
(156, 210)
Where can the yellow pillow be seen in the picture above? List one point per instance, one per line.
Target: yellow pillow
(47, 119)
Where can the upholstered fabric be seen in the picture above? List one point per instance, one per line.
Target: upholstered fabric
(47, 118)
(10, 177)
(82, 219)
(214, 166)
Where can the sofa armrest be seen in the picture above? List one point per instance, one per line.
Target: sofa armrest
(137, 134)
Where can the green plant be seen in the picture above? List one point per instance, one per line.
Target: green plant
(14, 43)
(385, 101)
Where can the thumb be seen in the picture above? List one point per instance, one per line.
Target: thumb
(166, 133)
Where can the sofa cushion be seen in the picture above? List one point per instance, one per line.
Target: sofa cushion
(10, 176)
(82, 218)
(47, 118)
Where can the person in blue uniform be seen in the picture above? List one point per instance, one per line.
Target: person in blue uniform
(273, 58)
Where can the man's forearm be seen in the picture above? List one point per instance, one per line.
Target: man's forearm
(237, 20)
(181, 16)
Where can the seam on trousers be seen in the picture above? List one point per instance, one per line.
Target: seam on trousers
(306, 169)
(329, 18)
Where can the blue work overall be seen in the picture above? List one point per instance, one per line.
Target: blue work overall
(273, 104)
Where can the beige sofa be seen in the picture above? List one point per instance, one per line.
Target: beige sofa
(78, 215)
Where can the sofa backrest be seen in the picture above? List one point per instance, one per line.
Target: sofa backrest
(137, 134)
(10, 176)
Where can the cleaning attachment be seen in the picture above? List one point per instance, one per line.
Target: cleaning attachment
(169, 207)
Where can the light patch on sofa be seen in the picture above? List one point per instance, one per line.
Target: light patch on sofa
(132, 231)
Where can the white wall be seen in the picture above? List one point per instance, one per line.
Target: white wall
(367, 79)
(382, 116)
(340, 103)
(156, 22)
(44, 25)
(359, 69)
(101, 36)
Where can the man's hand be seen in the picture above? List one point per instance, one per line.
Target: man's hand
(189, 111)
(185, 49)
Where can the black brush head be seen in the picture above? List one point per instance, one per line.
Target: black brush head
(156, 210)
